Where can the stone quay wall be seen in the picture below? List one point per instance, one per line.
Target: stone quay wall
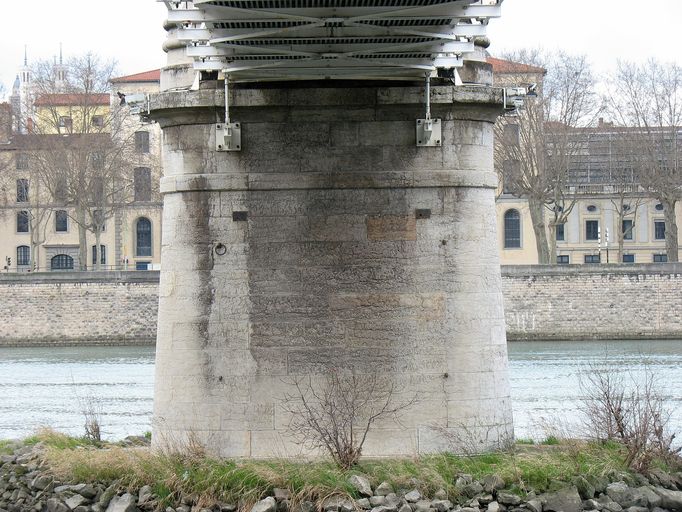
(541, 303)
(78, 308)
(583, 302)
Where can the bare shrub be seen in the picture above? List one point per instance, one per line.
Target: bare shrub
(630, 411)
(337, 415)
(92, 413)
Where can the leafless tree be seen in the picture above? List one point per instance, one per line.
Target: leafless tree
(337, 415)
(85, 155)
(629, 411)
(535, 147)
(648, 98)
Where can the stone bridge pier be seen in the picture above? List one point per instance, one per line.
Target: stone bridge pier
(329, 242)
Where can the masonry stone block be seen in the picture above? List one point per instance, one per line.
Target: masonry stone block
(328, 267)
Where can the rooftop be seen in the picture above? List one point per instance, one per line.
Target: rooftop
(66, 100)
(502, 66)
(146, 76)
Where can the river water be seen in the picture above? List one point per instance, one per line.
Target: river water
(51, 386)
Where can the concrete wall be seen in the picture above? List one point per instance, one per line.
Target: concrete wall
(586, 302)
(105, 308)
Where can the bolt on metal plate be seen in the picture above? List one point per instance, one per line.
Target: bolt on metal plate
(429, 132)
(228, 137)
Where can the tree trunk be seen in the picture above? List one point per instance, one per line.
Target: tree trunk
(537, 217)
(82, 240)
(98, 250)
(552, 243)
(671, 243)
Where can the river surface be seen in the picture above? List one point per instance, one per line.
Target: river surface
(50, 386)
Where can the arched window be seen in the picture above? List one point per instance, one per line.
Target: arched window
(512, 229)
(102, 253)
(61, 262)
(143, 230)
(23, 255)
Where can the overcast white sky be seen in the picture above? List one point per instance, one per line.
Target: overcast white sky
(130, 30)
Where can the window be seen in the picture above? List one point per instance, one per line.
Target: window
(591, 230)
(22, 190)
(659, 207)
(628, 258)
(512, 229)
(660, 258)
(22, 221)
(66, 122)
(98, 121)
(510, 170)
(591, 208)
(142, 265)
(592, 258)
(61, 221)
(61, 262)
(563, 259)
(23, 255)
(142, 142)
(144, 237)
(21, 161)
(102, 254)
(560, 233)
(659, 230)
(627, 230)
(143, 184)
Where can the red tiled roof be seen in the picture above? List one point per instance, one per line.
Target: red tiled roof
(65, 100)
(507, 66)
(146, 76)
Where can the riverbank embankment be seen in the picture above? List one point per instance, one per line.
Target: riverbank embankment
(563, 302)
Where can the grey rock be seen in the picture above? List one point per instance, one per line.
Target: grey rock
(363, 503)
(183, 508)
(533, 505)
(422, 506)
(107, 495)
(463, 480)
(662, 478)
(361, 484)
(485, 499)
(625, 496)
(383, 489)
(224, 507)
(393, 500)
(470, 490)
(671, 500)
(337, 504)
(441, 505)
(592, 504)
(384, 509)
(440, 494)
(41, 482)
(377, 501)
(564, 500)
(405, 508)
(494, 506)
(144, 495)
(653, 499)
(75, 501)
(585, 488)
(281, 494)
(267, 505)
(82, 508)
(659, 509)
(493, 483)
(282, 506)
(413, 496)
(124, 503)
(54, 505)
(62, 489)
(474, 503)
(637, 509)
(507, 498)
(469, 509)
(608, 504)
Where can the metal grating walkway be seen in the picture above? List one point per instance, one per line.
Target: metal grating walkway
(262, 40)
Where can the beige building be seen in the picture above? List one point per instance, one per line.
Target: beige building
(38, 230)
(590, 234)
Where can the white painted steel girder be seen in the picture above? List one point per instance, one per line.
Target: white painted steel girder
(262, 40)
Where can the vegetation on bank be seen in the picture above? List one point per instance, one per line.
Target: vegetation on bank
(524, 468)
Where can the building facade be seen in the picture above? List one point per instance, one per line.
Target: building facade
(39, 224)
(605, 198)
